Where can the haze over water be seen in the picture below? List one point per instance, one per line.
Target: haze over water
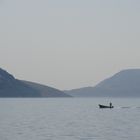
(69, 119)
(69, 44)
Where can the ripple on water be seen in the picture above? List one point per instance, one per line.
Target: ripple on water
(68, 119)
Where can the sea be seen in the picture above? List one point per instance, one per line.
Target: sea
(69, 119)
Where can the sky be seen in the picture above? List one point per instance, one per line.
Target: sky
(69, 44)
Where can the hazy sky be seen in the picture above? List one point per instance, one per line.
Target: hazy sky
(69, 43)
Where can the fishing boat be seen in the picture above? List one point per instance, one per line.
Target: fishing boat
(104, 106)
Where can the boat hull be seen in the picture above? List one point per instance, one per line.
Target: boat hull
(104, 106)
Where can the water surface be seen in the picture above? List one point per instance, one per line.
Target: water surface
(69, 119)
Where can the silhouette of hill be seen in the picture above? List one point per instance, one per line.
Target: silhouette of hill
(12, 87)
(126, 83)
(46, 91)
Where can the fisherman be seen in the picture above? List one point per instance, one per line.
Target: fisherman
(110, 105)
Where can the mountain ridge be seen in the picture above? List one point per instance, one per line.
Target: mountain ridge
(125, 83)
(12, 87)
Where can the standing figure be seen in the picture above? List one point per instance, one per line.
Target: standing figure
(110, 104)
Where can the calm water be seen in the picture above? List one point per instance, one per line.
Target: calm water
(69, 119)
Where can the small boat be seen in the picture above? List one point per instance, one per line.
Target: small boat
(104, 106)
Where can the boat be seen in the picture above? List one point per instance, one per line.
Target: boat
(104, 106)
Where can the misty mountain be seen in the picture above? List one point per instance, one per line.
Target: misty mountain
(46, 91)
(126, 83)
(12, 87)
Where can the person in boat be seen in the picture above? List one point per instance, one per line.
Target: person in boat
(110, 104)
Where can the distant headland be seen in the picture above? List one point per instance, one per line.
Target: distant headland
(125, 83)
(12, 87)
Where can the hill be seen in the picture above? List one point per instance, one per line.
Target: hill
(126, 83)
(46, 91)
(12, 87)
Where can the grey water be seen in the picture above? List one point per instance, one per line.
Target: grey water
(69, 119)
